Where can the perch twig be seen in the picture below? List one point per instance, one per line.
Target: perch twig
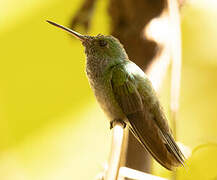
(176, 54)
(115, 153)
(138, 175)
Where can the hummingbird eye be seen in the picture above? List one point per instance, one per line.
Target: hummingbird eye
(102, 43)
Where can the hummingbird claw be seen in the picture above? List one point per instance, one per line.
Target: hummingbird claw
(113, 122)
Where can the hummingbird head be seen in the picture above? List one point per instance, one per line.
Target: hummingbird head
(104, 47)
(100, 46)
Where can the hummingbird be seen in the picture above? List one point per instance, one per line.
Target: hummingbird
(126, 95)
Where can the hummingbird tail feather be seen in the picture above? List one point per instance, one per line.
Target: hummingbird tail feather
(174, 147)
(163, 149)
(141, 141)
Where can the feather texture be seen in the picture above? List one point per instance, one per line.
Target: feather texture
(139, 103)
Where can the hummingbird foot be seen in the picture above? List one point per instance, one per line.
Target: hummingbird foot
(116, 121)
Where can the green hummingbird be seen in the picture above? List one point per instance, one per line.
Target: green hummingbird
(126, 95)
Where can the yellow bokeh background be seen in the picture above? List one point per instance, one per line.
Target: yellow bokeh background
(50, 124)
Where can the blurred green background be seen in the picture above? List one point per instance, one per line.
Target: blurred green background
(51, 126)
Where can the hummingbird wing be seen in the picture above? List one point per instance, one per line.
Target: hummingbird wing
(137, 99)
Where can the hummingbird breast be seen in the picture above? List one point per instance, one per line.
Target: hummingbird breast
(99, 76)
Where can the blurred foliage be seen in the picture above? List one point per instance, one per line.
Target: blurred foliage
(202, 164)
(51, 126)
(198, 101)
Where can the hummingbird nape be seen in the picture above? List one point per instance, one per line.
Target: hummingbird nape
(125, 94)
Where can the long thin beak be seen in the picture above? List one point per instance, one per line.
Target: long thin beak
(77, 35)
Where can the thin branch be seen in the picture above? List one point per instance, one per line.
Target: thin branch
(138, 175)
(115, 153)
(176, 53)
